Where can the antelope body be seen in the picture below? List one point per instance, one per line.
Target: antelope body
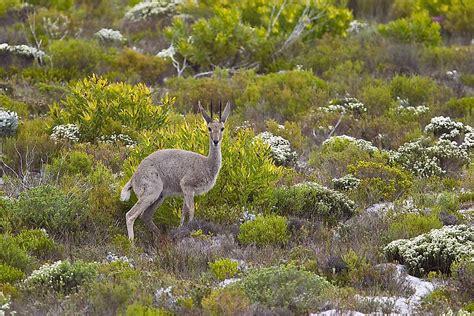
(172, 172)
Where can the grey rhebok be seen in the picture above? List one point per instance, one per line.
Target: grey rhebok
(175, 172)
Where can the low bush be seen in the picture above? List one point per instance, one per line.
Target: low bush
(74, 162)
(138, 309)
(37, 243)
(124, 109)
(419, 28)
(13, 255)
(9, 274)
(264, 230)
(425, 157)
(226, 301)
(285, 287)
(48, 207)
(416, 90)
(76, 57)
(410, 225)
(61, 276)
(337, 152)
(380, 182)
(433, 251)
(280, 148)
(282, 96)
(31, 141)
(313, 202)
(224, 268)
(136, 67)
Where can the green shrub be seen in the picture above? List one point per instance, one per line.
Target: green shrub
(100, 108)
(72, 163)
(37, 243)
(12, 105)
(284, 96)
(6, 5)
(460, 18)
(136, 67)
(57, 4)
(62, 276)
(32, 141)
(417, 90)
(419, 28)
(114, 289)
(13, 255)
(77, 58)
(412, 224)
(226, 301)
(222, 214)
(9, 274)
(264, 230)
(104, 207)
(138, 309)
(337, 152)
(433, 251)
(285, 287)
(377, 98)
(50, 208)
(458, 108)
(224, 268)
(380, 182)
(290, 131)
(314, 202)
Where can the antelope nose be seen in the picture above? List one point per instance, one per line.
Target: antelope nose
(215, 142)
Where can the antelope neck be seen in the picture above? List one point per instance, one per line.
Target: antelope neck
(214, 157)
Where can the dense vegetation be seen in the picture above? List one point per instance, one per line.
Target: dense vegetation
(350, 147)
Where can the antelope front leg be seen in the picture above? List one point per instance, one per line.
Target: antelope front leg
(184, 213)
(189, 202)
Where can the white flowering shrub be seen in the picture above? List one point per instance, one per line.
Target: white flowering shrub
(425, 158)
(453, 75)
(341, 141)
(24, 51)
(61, 276)
(164, 297)
(468, 142)
(109, 35)
(356, 26)
(111, 257)
(433, 251)
(8, 122)
(247, 217)
(56, 27)
(149, 9)
(167, 52)
(404, 107)
(346, 183)
(5, 301)
(118, 138)
(312, 201)
(280, 148)
(65, 132)
(346, 105)
(445, 128)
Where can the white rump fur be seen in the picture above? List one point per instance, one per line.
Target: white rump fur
(126, 192)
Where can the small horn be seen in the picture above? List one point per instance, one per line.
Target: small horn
(211, 109)
(220, 110)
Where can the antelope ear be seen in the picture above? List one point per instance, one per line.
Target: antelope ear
(204, 114)
(226, 112)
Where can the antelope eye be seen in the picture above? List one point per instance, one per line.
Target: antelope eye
(209, 129)
(222, 129)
